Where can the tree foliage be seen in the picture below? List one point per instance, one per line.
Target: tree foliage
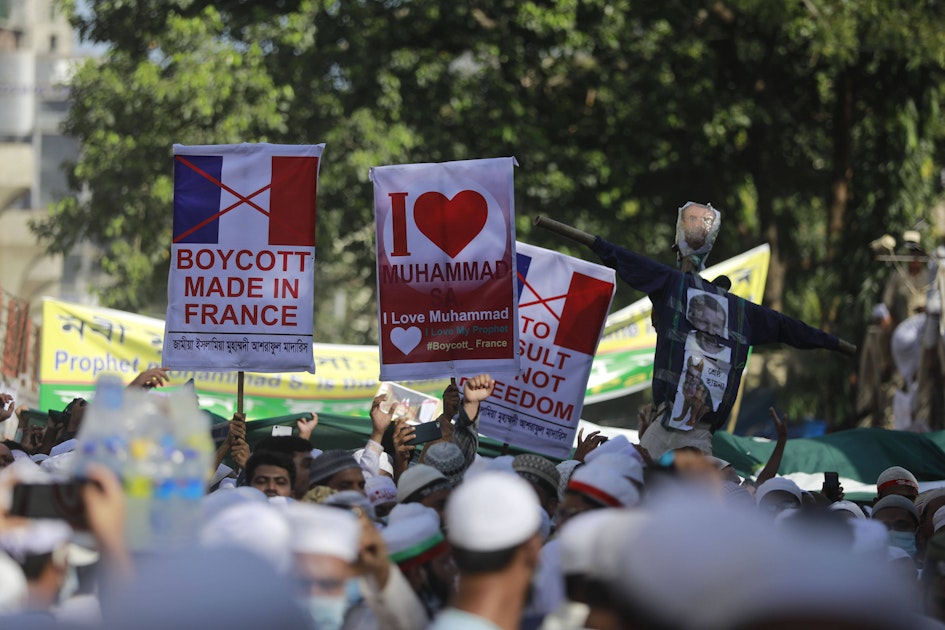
(812, 125)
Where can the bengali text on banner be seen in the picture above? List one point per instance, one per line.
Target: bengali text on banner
(241, 283)
(562, 307)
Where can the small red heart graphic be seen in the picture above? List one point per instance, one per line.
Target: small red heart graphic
(451, 224)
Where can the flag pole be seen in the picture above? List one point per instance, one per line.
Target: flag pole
(239, 391)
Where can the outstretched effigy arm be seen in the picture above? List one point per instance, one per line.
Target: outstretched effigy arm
(643, 274)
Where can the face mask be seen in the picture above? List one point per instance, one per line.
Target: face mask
(352, 592)
(903, 540)
(327, 612)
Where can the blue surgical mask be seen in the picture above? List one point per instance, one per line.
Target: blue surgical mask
(327, 612)
(353, 592)
(903, 540)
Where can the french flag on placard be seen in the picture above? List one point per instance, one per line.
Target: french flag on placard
(578, 313)
(249, 189)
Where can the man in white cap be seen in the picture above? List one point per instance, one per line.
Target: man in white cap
(40, 550)
(594, 486)
(901, 519)
(382, 493)
(332, 547)
(416, 544)
(426, 485)
(897, 480)
(494, 522)
(777, 495)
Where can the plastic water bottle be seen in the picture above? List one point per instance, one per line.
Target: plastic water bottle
(101, 437)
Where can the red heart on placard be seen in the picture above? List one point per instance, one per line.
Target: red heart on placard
(451, 224)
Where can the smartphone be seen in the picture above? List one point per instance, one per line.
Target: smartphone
(280, 431)
(832, 486)
(61, 501)
(426, 432)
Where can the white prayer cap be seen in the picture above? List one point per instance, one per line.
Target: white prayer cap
(870, 537)
(577, 538)
(492, 511)
(603, 485)
(224, 498)
(805, 583)
(896, 501)
(663, 563)
(895, 476)
(617, 444)
(256, 527)
(319, 529)
(628, 467)
(778, 483)
(63, 447)
(59, 465)
(412, 536)
(18, 454)
(404, 511)
(417, 478)
(380, 489)
(40, 536)
(13, 593)
(925, 498)
(204, 588)
(620, 529)
(938, 519)
(847, 506)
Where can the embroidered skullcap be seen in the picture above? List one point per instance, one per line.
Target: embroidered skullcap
(536, 468)
(380, 489)
(448, 459)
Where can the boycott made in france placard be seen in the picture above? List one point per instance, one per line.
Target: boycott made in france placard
(562, 308)
(446, 269)
(240, 289)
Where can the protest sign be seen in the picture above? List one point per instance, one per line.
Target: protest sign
(240, 289)
(445, 269)
(562, 307)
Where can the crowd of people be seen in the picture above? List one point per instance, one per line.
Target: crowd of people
(397, 535)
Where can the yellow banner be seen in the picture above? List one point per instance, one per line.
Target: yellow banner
(80, 343)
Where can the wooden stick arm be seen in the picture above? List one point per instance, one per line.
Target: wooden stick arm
(565, 230)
